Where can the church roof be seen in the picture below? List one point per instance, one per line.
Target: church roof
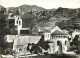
(58, 33)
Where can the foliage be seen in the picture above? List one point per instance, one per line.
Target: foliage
(78, 47)
(75, 44)
(3, 31)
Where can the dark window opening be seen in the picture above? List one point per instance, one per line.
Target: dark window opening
(65, 42)
(19, 23)
(24, 32)
(58, 42)
(20, 49)
(18, 18)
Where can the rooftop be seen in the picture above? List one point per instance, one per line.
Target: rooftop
(58, 33)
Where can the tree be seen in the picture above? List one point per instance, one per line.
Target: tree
(78, 47)
(3, 30)
(76, 44)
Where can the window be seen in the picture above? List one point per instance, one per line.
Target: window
(58, 42)
(18, 18)
(65, 42)
(59, 36)
(48, 35)
(19, 23)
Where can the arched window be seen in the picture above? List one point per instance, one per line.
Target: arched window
(65, 42)
(58, 42)
(18, 18)
(19, 23)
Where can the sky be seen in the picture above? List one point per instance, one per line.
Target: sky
(47, 4)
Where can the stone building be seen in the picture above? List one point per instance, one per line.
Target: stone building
(20, 42)
(14, 24)
(57, 38)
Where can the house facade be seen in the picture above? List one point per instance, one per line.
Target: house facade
(21, 43)
(58, 40)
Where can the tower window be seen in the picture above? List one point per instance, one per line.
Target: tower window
(17, 21)
(65, 42)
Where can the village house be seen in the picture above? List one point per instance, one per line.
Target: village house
(58, 39)
(20, 44)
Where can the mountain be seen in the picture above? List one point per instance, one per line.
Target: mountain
(26, 8)
(31, 7)
(50, 17)
(39, 18)
(33, 15)
(65, 12)
(59, 15)
(68, 17)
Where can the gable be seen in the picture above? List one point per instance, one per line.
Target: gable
(55, 28)
(57, 32)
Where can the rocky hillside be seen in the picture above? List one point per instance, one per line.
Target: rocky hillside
(33, 15)
(49, 17)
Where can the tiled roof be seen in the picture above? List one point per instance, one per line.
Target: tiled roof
(58, 33)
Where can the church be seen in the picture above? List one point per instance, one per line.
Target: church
(57, 38)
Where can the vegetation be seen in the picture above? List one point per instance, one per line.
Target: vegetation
(3, 30)
(75, 44)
